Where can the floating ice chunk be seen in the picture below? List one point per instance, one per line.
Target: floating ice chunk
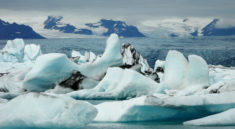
(224, 118)
(118, 84)
(111, 57)
(160, 107)
(198, 72)
(47, 71)
(31, 52)
(179, 74)
(176, 66)
(14, 50)
(36, 110)
(13, 76)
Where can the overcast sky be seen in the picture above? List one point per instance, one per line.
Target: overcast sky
(132, 11)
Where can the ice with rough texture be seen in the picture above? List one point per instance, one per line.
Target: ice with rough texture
(47, 71)
(13, 51)
(131, 57)
(45, 111)
(224, 118)
(159, 64)
(31, 52)
(111, 57)
(118, 84)
(12, 76)
(161, 107)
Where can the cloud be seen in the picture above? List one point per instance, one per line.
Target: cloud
(78, 12)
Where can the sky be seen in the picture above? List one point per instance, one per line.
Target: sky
(33, 12)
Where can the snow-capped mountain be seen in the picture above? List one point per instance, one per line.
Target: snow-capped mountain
(118, 27)
(101, 28)
(14, 30)
(178, 27)
(54, 23)
(212, 30)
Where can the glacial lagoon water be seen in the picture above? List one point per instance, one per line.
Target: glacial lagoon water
(215, 50)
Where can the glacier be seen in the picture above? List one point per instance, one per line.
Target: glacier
(45, 111)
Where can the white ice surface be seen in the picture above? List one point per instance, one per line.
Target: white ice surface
(161, 107)
(176, 66)
(14, 75)
(45, 111)
(31, 52)
(111, 57)
(118, 84)
(47, 71)
(13, 51)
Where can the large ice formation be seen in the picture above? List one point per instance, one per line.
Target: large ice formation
(13, 51)
(176, 66)
(111, 57)
(180, 73)
(160, 107)
(48, 70)
(16, 51)
(35, 110)
(118, 84)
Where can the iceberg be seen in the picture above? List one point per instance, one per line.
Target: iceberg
(16, 51)
(161, 107)
(118, 84)
(187, 76)
(48, 70)
(35, 110)
(198, 72)
(110, 58)
(224, 118)
(175, 70)
(13, 51)
(31, 52)
(14, 74)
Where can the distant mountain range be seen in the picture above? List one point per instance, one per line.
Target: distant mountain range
(106, 27)
(190, 27)
(12, 31)
(170, 28)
